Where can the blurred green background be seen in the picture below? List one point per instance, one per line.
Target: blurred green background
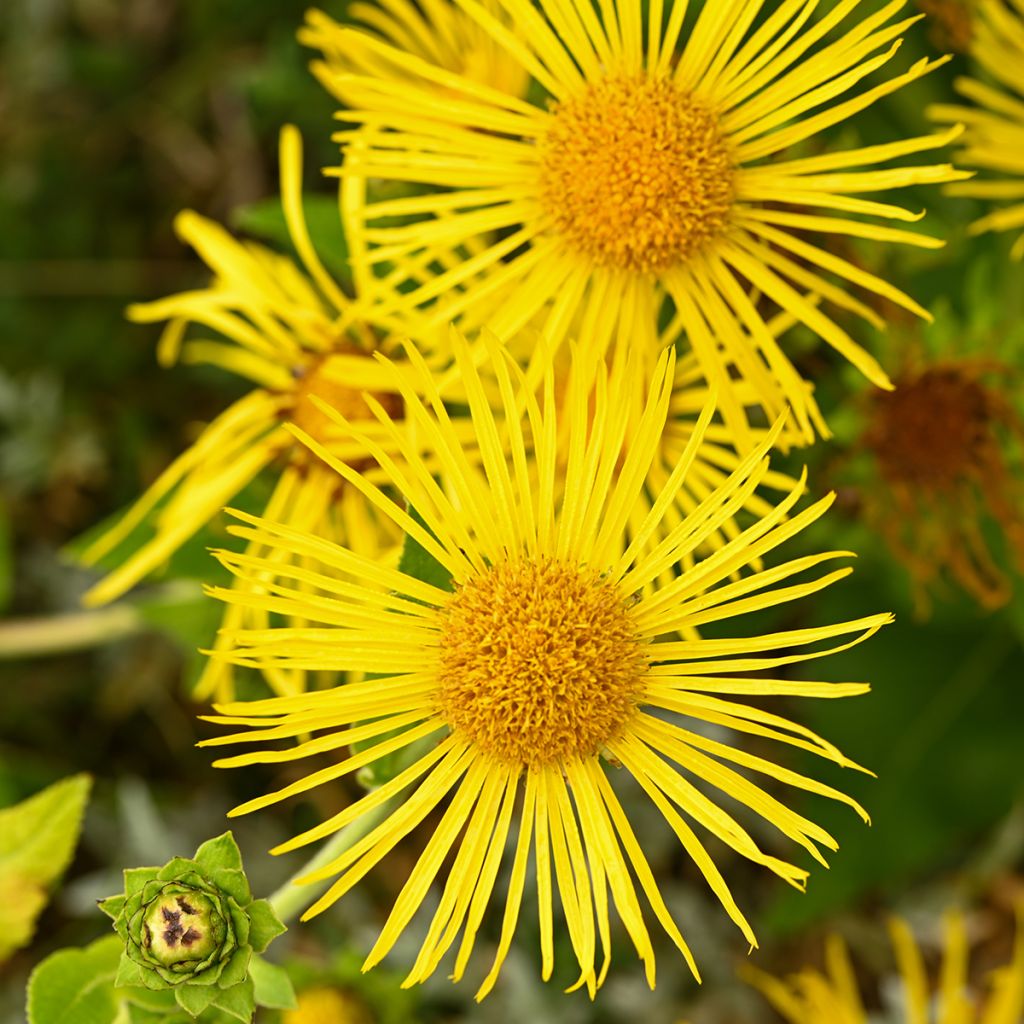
(116, 114)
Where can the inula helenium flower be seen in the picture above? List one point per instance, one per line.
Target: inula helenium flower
(994, 140)
(832, 996)
(193, 926)
(299, 339)
(655, 163)
(537, 659)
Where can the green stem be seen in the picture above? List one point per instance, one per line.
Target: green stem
(75, 631)
(293, 897)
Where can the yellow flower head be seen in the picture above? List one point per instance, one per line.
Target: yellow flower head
(548, 660)
(435, 30)
(645, 169)
(994, 140)
(299, 340)
(326, 1005)
(832, 996)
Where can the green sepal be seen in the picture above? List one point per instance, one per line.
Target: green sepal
(112, 905)
(238, 1001)
(136, 878)
(233, 882)
(272, 986)
(220, 854)
(239, 922)
(236, 970)
(193, 999)
(264, 925)
(178, 869)
(128, 972)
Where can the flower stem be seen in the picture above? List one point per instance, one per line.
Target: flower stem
(292, 898)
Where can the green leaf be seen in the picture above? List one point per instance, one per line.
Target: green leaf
(39, 835)
(272, 986)
(238, 1001)
(193, 999)
(76, 986)
(217, 854)
(37, 840)
(417, 562)
(265, 925)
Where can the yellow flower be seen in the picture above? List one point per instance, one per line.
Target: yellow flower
(650, 176)
(298, 338)
(994, 140)
(436, 31)
(814, 997)
(546, 662)
(327, 1006)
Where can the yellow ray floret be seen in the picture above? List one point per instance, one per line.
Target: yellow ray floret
(549, 658)
(994, 139)
(832, 996)
(435, 30)
(298, 339)
(646, 158)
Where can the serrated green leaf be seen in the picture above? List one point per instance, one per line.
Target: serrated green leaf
(193, 999)
(76, 985)
(238, 1002)
(264, 925)
(218, 854)
(272, 987)
(39, 835)
(37, 840)
(21, 902)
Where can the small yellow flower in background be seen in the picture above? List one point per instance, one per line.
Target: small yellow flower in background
(547, 661)
(326, 1005)
(832, 996)
(943, 443)
(298, 338)
(438, 31)
(653, 174)
(994, 140)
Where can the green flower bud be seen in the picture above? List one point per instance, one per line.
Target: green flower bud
(182, 928)
(193, 927)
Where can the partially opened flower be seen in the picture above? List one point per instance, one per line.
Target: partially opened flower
(298, 338)
(650, 166)
(994, 139)
(547, 661)
(945, 448)
(832, 996)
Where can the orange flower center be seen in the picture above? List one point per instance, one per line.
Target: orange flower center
(540, 661)
(635, 173)
(933, 430)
